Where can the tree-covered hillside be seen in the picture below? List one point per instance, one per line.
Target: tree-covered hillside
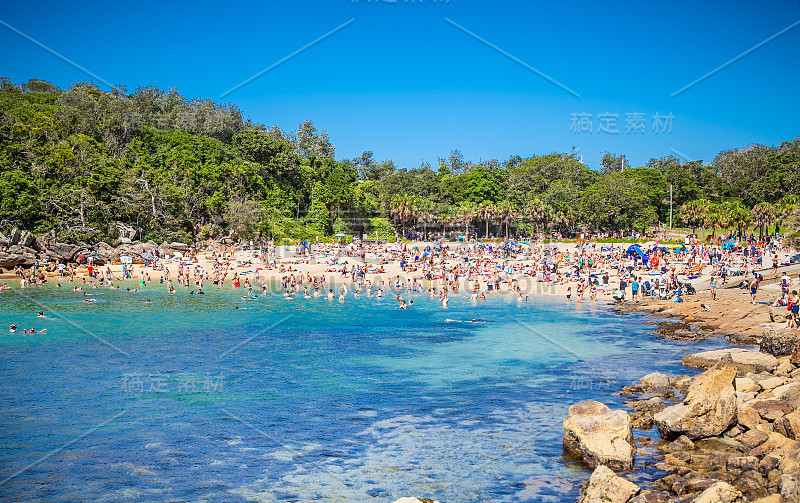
(88, 163)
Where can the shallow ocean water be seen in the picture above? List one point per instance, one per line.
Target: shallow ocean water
(189, 399)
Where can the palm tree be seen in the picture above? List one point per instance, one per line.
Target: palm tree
(537, 211)
(507, 213)
(425, 213)
(448, 215)
(784, 209)
(738, 216)
(467, 212)
(693, 213)
(487, 211)
(712, 217)
(403, 208)
(763, 215)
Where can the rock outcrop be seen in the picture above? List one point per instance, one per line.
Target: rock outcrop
(599, 435)
(710, 406)
(742, 359)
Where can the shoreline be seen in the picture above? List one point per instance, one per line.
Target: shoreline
(741, 324)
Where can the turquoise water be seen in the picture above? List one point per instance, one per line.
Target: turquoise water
(189, 399)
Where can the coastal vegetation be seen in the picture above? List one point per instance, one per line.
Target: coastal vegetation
(87, 163)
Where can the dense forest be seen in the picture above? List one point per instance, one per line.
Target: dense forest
(88, 164)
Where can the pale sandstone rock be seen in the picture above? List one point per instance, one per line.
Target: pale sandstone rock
(599, 435)
(746, 385)
(606, 487)
(721, 492)
(710, 407)
(789, 393)
(744, 360)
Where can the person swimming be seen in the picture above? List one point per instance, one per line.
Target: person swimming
(12, 329)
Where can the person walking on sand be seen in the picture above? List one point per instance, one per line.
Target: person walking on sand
(753, 290)
(713, 285)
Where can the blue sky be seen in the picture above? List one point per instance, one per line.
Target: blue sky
(402, 81)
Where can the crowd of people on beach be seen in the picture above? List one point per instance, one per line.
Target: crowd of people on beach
(578, 270)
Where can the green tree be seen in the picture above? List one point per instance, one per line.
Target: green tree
(617, 202)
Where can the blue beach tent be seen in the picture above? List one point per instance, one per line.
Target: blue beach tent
(636, 250)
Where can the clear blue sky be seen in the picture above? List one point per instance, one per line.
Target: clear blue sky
(403, 82)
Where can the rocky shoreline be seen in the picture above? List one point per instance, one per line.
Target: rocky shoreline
(730, 434)
(24, 249)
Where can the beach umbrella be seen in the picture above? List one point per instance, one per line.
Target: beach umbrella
(553, 246)
(340, 235)
(524, 243)
(147, 256)
(126, 259)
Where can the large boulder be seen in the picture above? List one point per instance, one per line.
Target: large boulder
(655, 381)
(14, 236)
(104, 249)
(744, 360)
(11, 260)
(133, 250)
(26, 239)
(604, 486)
(599, 435)
(45, 241)
(171, 248)
(709, 409)
(125, 231)
(63, 252)
(721, 492)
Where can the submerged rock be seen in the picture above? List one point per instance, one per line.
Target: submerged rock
(599, 435)
(604, 486)
(709, 409)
